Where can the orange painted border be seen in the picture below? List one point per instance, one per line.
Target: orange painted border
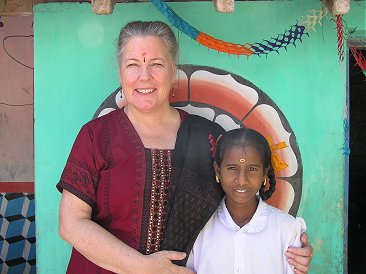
(18, 187)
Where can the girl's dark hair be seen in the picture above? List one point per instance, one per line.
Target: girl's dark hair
(243, 137)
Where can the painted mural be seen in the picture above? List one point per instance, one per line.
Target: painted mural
(17, 233)
(234, 102)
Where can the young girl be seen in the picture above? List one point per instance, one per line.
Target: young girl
(245, 235)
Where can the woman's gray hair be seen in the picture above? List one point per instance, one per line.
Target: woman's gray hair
(148, 28)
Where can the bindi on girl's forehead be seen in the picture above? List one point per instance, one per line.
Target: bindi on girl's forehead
(242, 156)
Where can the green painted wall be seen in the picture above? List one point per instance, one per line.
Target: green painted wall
(75, 70)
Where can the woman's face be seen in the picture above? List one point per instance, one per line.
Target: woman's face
(146, 73)
(241, 175)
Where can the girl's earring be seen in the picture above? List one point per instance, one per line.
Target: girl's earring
(173, 93)
(217, 179)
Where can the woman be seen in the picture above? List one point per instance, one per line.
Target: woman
(140, 179)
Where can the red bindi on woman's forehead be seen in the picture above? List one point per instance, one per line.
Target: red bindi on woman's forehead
(143, 55)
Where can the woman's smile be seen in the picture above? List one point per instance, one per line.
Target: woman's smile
(145, 90)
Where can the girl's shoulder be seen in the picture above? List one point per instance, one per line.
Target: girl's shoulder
(283, 218)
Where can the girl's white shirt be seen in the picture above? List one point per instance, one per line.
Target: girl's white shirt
(222, 247)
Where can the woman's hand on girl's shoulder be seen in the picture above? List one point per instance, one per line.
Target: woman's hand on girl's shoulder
(300, 257)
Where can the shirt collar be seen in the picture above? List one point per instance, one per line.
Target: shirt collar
(256, 224)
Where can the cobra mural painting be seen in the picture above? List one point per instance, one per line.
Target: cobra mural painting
(234, 102)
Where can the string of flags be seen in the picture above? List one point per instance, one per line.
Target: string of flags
(290, 36)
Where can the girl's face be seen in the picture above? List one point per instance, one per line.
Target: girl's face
(146, 73)
(241, 175)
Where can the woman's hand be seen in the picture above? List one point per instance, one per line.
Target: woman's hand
(77, 228)
(160, 263)
(301, 257)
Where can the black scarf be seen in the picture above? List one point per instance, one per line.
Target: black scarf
(195, 195)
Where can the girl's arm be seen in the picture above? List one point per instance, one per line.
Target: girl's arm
(104, 249)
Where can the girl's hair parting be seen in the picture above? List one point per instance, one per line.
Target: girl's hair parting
(243, 137)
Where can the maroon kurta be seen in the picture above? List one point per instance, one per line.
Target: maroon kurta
(127, 185)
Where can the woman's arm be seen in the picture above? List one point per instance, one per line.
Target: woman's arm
(301, 257)
(104, 249)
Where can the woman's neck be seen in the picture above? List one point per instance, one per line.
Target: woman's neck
(156, 129)
(242, 214)
(151, 117)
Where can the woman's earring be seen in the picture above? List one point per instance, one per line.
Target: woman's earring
(265, 181)
(217, 179)
(173, 94)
